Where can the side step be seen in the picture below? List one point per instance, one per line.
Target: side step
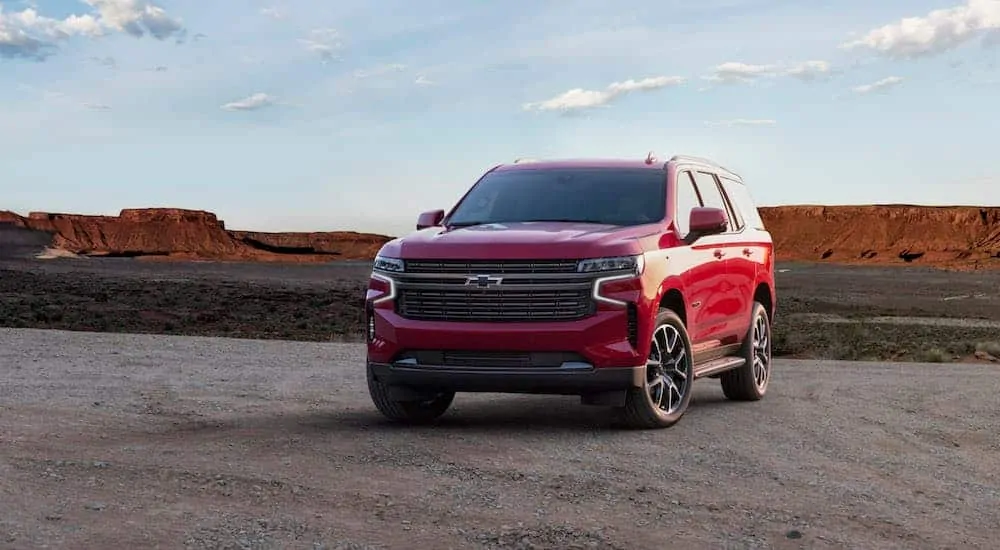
(718, 366)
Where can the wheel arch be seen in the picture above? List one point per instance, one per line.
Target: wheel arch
(763, 294)
(671, 296)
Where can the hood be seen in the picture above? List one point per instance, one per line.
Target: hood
(520, 241)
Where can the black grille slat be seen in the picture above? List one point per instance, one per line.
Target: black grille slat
(491, 266)
(511, 283)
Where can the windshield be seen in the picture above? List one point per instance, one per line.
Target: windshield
(590, 195)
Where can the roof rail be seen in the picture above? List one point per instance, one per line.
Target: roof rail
(702, 160)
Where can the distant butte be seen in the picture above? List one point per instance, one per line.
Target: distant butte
(178, 234)
(952, 237)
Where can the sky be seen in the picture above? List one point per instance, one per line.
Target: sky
(302, 115)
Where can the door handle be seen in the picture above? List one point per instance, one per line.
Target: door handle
(719, 254)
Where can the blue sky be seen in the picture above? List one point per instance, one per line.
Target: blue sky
(308, 115)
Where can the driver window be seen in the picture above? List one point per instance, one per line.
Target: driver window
(687, 198)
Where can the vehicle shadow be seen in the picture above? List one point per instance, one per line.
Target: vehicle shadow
(499, 415)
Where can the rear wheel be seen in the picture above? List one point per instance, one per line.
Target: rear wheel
(412, 412)
(749, 382)
(666, 391)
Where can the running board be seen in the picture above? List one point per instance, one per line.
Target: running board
(717, 366)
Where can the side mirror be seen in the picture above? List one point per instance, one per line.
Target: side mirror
(431, 218)
(706, 221)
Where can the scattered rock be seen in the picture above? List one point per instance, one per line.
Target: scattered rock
(987, 357)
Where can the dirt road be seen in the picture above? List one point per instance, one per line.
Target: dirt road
(118, 441)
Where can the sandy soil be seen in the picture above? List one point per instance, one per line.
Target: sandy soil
(119, 441)
(323, 303)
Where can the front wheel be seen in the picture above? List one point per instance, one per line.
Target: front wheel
(412, 412)
(666, 392)
(749, 382)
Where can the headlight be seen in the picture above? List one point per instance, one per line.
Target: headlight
(386, 264)
(633, 264)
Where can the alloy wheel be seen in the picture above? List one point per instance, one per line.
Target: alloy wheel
(668, 372)
(761, 352)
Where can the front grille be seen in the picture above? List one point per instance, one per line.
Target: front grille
(494, 305)
(517, 291)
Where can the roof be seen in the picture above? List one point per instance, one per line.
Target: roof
(579, 163)
(657, 164)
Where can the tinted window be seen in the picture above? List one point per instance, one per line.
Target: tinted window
(733, 210)
(710, 194)
(686, 200)
(602, 195)
(743, 201)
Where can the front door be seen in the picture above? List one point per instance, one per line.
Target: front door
(727, 302)
(703, 272)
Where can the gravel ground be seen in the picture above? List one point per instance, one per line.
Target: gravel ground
(120, 441)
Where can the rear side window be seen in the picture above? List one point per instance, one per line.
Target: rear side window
(711, 196)
(687, 199)
(743, 203)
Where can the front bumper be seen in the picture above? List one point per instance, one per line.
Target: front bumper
(602, 340)
(574, 379)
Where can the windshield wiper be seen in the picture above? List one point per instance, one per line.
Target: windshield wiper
(567, 220)
(467, 224)
(554, 220)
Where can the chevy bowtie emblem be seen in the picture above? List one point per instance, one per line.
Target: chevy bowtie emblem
(483, 281)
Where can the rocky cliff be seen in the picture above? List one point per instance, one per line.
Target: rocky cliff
(944, 236)
(184, 234)
(948, 236)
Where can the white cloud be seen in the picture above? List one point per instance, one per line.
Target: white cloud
(881, 85)
(97, 106)
(28, 35)
(743, 122)
(732, 71)
(325, 43)
(809, 70)
(136, 17)
(273, 12)
(578, 98)
(251, 103)
(422, 80)
(938, 31)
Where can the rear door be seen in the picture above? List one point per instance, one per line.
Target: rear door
(727, 302)
(747, 266)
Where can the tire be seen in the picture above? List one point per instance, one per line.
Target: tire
(410, 412)
(642, 410)
(750, 382)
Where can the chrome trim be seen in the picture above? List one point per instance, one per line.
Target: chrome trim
(596, 293)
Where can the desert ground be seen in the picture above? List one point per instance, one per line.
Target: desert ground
(152, 441)
(825, 311)
(241, 420)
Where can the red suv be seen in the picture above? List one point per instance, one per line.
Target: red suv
(622, 281)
